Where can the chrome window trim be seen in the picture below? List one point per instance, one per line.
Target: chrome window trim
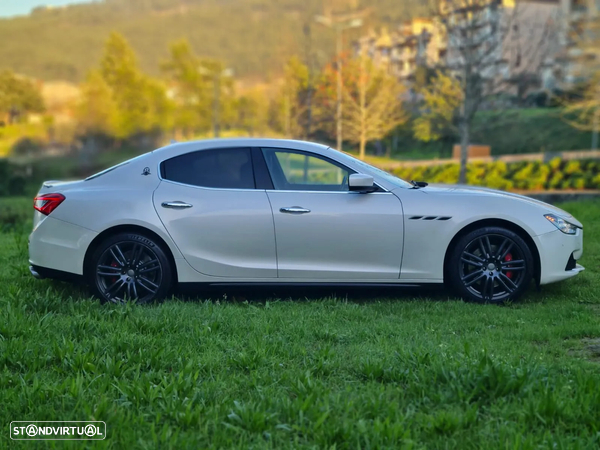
(265, 190)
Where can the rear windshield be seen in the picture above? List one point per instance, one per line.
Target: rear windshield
(110, 169)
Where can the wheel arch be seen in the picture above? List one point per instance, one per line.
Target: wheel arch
(128, 229)
(521, 232)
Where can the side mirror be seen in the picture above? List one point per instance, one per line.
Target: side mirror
(359, 182)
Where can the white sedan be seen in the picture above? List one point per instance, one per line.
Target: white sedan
(267, 212)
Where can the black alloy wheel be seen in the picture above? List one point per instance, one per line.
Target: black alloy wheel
(491, 265)
(130, 267)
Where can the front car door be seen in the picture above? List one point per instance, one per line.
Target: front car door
(326, 232)
(221, 223)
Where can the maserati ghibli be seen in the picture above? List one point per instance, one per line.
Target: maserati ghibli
(262, 212)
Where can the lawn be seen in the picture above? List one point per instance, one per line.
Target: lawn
(414, 370)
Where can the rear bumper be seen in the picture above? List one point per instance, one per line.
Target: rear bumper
(58, 246)
(42, 273)
(559, 253)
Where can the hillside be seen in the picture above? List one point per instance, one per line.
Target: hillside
(252, 36)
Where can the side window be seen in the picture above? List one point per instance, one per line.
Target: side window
(229, 168)
(299, 171)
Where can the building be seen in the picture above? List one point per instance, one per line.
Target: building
(403, 50)
(580, 39)
(535, 47)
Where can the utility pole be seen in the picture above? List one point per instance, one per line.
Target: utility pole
(216, 75)
(309, 87)
(216, 105)
(593, 31)
(340, 23)
(338, 31)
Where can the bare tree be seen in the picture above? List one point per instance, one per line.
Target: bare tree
(584, 113)
(486, 47)
(372, 104)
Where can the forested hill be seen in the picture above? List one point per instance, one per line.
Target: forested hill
(252, 36)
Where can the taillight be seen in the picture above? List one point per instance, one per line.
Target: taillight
(47, 203)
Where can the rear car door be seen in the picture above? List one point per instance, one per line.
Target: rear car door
(323, 230)
(221, 223)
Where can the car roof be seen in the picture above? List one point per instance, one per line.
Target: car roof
(185, 147)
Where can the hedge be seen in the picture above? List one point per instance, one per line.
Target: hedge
(524, 175)
(554, 175)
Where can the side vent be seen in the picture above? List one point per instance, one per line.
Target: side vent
(443, 218)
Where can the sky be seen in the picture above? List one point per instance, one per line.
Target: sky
(10, 8)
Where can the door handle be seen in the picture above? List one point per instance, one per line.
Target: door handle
(294, 210)
(176, 205)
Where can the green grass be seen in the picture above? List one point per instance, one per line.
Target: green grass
(417, 371)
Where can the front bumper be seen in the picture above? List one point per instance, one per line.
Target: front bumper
(35, 273)
(557, 250)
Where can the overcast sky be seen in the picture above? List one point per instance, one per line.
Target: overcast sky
(19, 7)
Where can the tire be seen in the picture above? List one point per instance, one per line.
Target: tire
(490, 265)
(130, 267)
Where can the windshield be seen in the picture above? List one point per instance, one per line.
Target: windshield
(380, 173)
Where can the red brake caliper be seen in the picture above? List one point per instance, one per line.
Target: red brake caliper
(508, 258)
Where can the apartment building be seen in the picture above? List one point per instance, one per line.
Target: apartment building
(401, 50)
(527, 45)
(579, 57)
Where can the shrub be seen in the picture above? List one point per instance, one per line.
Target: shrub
(522, 175)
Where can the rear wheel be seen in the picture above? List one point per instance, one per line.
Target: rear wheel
(491, 265)
(130, 267)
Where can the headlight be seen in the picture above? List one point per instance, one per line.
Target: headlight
(561, 224)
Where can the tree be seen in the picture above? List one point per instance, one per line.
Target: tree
(159, 115)
(583, 111)
(96, 111)
(252, 112)
(442, 98)
(372, 103)
(202, 89)
(485, 49)
(18, 97)
(191, 91)
(137, 98)
(290, 107)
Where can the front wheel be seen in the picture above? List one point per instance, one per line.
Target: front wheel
(490, 265)
(130, 267)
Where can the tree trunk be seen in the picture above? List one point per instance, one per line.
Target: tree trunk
(288, 119)
(363, 108)
(307, 131)
(340, 82)
(363, 143)
(596, 121)
(464, 151)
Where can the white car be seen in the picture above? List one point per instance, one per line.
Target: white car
(268, 212)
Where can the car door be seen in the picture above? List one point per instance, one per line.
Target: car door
(325, 232)
(221, 223)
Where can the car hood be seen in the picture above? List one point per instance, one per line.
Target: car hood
(481, 191)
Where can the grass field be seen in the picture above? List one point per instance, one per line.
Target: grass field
(417, 370)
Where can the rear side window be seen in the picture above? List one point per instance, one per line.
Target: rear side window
(227, 168)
